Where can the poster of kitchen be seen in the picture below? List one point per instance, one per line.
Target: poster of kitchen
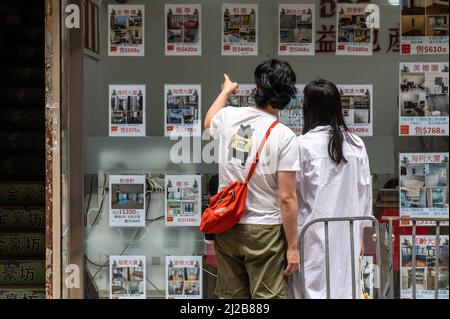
(127, 200)
(296, 29)
(292, 116)
(424, 27)
(182, 111)
(127, 277)
(183, 200)
(239, 29)
(357, 108)
(425, 272)
(423, 99)
(354, 36)
(244, 96)
(127, 110)
(423, 186)
(183, 29)
(184, 277)
(126, 30)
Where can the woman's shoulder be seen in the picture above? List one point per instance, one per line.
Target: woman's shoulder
(355, 146)
(357, 141)
(312, 145)
(313, 138)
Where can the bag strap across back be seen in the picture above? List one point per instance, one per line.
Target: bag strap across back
(258, 153)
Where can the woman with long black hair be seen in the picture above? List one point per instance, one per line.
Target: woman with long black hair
(334, 181)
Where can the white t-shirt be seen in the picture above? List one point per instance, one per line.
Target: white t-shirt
(239, 132)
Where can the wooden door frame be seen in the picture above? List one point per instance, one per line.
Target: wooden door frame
(52, 150)
(64, 141)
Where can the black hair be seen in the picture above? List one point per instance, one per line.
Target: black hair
(322, 106)
(275, 84)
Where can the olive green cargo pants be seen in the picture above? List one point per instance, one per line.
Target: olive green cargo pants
(251, 259)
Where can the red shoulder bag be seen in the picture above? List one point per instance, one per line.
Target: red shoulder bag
(225, 209)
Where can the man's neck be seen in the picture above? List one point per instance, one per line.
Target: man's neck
(269, 109)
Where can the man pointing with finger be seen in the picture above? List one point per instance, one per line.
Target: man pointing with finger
(256, 256)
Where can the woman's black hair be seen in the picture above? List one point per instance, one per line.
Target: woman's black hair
(322, 106)
(275, 84)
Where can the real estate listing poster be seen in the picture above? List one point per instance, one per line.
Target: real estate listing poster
(184, 277)
(183, 200)
(183, 29)
(244, 97)
(354, 36)
(424, 27)
(127, 277)
(126, 30)
(296, 29)
(292, 116)
(239, 29)
(182, 110)
(423, 99)
(357, 108)
(425, 247)
(127, 201)
(127, 110)
(423, 186)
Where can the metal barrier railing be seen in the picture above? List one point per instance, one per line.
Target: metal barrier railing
(351, 221)
(414, 220)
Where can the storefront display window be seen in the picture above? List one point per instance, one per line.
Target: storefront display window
(159, 66)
